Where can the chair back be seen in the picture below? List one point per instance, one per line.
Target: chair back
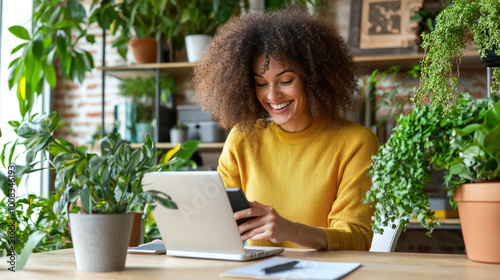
(387, 241)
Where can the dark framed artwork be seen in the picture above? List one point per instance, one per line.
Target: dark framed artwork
(379, 27)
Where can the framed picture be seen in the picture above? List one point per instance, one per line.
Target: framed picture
(380, 27)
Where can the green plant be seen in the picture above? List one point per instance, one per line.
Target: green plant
(140, 90)
(180, 125)
(428, 16)
(390, 99)
(197, 17)
(30, 214)
(106, 183)
(464, 22)
(424, 141)
(475, 152)
(136, 18)
(57, 28)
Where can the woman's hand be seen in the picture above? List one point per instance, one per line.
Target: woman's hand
(267, 224)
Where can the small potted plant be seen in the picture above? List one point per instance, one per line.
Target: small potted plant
(178, 133)
(197, 24)
(141, 92)
(107, 186)
(140, 23)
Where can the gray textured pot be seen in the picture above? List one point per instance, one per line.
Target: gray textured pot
(100, 241)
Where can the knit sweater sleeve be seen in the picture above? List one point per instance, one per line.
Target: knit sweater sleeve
(350, 220)
(229, 163)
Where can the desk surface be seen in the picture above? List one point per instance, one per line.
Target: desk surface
(61, 265)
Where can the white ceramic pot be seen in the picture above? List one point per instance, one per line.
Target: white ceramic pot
(195, 46)
(210, 132)
(178, 135)
(100, 241)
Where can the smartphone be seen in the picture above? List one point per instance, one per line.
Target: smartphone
(238, 202)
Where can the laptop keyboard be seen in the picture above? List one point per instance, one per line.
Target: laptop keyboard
(252, 252)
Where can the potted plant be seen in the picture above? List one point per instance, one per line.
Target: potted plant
(108, 187)
(456, 134)
(462, 23)
(464, 142)
(142, 92)
(140, 23)
(178, 133)
(197, 24)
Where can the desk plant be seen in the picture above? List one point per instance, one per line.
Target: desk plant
(105, 185)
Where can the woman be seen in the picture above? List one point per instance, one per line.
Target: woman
(281, 81)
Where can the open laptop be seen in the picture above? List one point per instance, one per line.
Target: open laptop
(204, 225)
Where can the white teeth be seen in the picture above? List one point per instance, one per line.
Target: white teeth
(280, 106)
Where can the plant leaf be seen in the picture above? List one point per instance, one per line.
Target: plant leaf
(33, 240)
(20, 32)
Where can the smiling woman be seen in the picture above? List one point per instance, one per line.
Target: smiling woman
(281, 81)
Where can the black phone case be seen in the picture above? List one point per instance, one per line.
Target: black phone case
(238, 202)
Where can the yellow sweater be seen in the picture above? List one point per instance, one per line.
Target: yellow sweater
(315, 177)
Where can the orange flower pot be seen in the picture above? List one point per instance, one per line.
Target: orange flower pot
(144, 49)
(479, 211)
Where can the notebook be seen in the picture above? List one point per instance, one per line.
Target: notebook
(204, 225)
(304, 269)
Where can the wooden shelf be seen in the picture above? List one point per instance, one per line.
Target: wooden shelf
(450, 221)
(364, 64)
(177, 70)
(203, 147)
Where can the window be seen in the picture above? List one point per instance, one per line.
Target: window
(14, 13)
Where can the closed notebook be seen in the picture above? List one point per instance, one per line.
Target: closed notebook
(303, 270)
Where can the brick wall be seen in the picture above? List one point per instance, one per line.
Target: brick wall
(80, 104)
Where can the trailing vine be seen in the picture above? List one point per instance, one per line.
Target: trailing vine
(463, 23)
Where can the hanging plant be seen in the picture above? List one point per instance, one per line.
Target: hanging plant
(463, 23)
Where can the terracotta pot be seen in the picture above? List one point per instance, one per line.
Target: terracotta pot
(144, 49)
(479, 211)
(136, 236)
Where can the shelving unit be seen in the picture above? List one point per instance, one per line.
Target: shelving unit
(183, 70)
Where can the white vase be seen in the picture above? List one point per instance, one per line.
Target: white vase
(100, 241)
(178, 135)
(195, 46)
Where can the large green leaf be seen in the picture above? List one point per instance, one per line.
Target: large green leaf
(77, 11)
(20, 32)
(86, 199)
(4, 184)
(50, 74)
(20, 46)
(33, 240)
(492, 141)
(492, 119)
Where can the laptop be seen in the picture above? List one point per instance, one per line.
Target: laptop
(203, 226)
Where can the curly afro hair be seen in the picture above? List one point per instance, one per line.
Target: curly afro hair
(307, 43)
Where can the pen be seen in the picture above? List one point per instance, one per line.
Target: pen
(280, 267)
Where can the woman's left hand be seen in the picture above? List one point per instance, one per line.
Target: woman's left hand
(267, 224)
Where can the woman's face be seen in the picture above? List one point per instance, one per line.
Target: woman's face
(281, 91)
